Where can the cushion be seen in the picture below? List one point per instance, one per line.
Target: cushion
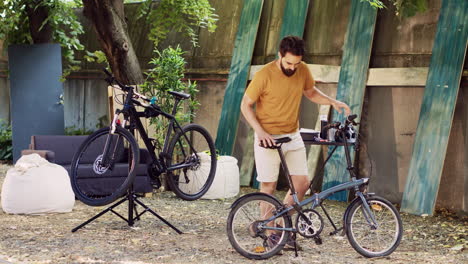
(225, 183)
(35, 186)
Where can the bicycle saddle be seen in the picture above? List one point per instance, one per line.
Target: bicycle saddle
(278, 142)
(179, 95)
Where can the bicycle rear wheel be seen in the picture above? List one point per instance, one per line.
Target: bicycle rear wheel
(103, 168)
(246, 222)
(374, 241)
(192, 162)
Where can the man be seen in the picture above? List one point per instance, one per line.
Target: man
(277, 90)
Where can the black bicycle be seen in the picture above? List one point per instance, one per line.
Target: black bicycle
(188, 158)
(259, 225)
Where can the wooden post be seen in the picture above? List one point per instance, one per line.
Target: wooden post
(238, 75)
(438, 106)
(294, 18)
(352, 83)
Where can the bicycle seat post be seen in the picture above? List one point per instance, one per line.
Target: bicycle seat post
(288, 176)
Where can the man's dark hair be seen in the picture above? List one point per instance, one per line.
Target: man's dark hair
(292, 44)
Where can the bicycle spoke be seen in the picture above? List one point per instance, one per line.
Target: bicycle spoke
(370, 240)
(245, 227)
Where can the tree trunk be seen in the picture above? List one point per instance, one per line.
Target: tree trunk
(110, 24)
(37, 15)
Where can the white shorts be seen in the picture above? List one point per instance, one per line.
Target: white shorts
(267, 161)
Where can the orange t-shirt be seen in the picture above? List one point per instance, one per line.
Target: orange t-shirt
(278, 97)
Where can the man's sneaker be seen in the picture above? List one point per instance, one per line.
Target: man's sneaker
(290, 242)
(273, 240)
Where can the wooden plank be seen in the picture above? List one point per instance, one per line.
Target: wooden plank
(411, 76)
(239, 72)
(4, 100)
(294, 18)
(95, 107)
(352, 83)
(74, 101)
(248, 161)
(293, 23)
(435, 118)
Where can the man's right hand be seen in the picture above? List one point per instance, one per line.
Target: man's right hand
(265, 139)
(249, 114)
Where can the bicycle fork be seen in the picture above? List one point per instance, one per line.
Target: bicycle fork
(106, 159)
(367, 212)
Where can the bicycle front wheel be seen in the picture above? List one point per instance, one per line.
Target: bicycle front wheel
(250, 234)
(192, 163)
(374, 240)
(104, 166)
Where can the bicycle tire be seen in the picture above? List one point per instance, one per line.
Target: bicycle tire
(388, 220)
(244, 232)
(98, 185)
(191, 183)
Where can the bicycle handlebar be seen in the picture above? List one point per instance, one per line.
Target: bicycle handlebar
(350, 118)
(111, 79)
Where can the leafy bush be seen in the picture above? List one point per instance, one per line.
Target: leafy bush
(15, 25)
(75, 131)
(6, 146)
(168, 68)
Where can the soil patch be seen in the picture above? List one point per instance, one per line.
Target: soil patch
(48, 238)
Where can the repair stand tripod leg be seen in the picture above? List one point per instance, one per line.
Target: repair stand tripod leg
(132, 201)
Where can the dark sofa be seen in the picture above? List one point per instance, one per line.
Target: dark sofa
(61, 149)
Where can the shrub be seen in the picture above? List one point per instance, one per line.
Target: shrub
(6, 145)
(168, 68)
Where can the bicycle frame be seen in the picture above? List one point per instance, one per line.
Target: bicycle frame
(132, 116)
(317, 198)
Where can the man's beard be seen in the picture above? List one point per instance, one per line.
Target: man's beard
(287, 72)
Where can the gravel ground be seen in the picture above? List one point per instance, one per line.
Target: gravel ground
(48, 238)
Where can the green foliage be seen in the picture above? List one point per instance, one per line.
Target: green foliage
(404, 8)
(75, 131)
(166, 71)
(178, 15)
(96, 56)
(409, 8)
(14, 26)
(375, 3)
(6, 145)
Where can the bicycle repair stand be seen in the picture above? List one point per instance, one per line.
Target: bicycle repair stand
(132, 199)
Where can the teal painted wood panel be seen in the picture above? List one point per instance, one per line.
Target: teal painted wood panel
(438, 106)
(294, 18)
(351, 83)
(238, 75)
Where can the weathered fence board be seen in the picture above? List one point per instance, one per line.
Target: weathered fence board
(293, 23)
(352, 83)
(435, 118)
(239, 72)
(85, 104)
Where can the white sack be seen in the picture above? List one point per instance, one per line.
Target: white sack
(35, 186)
(226, 181)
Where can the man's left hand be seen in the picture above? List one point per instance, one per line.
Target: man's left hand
(340, 105)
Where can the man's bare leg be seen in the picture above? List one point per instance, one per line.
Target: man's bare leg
(301, 184)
